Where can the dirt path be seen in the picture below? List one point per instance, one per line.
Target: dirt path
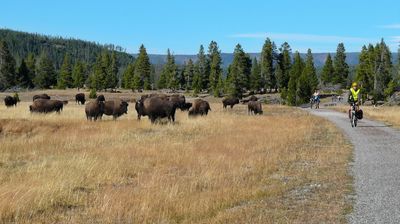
(376, 168)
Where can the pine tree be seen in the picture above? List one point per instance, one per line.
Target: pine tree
(308, 81)
(112, 72)
(78, 75)
(189, 73)
(295, 73)
(97, 78)
(340, 66)
(255, 77)
(203, 66)
(267, 68)
(284, 62)
(23, 75)
(127, 76)
(46, 75)
(327, 70)
(197, 80)
(31, 65)
(169, 74)
(364, 74)
(142, 69)
(65, 78)
(8, 76)
(311, 72)
(152, 79)
(215, 60)
(239, 72)
(383, 67)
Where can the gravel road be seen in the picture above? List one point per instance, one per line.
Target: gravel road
(376, 168)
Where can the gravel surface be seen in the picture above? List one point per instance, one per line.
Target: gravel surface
(376, 168)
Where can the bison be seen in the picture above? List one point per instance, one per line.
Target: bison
(159, 95)
(178, 101)
(251, 98)
(41, 96)
(46, 106)
(230, 101)
(154, 108)
(199, 107)
(186, 106)
(80, 98)
(115, 108)
(254, 107)
(94, 109)
(10, 101)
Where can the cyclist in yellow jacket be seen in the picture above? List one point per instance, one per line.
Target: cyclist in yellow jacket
(354, 97)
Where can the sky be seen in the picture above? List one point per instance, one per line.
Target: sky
(182, 25)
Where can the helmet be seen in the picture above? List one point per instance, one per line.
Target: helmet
(354, 84)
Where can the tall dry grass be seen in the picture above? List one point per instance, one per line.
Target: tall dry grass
(228, 167)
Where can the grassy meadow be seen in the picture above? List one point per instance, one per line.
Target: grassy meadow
(285, 166)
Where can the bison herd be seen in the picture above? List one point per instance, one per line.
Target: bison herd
(154, 106)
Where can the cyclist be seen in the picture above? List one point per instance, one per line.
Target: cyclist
(354, 97)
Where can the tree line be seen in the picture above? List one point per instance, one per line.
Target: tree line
(276, 70)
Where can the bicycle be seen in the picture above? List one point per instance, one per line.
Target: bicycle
(314, 101)
(353, 117)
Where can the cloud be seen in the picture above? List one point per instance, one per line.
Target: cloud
(303, 37)
(391, 26)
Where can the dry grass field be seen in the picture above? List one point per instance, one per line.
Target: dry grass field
(282, 167)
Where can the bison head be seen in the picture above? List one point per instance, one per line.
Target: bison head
(124, 107)
(101, 98)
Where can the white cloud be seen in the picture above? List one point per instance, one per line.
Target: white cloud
(391, 26)
(303, 37)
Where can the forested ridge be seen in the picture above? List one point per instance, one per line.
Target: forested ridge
(38, 61)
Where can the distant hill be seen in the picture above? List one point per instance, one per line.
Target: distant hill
(22, 43)
(227, 58)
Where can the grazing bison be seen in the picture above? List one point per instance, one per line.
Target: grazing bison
(159, 95)
(115, 108)
(254, 107)
(230, 101)
(46, 106)
(199, 107)
(251, 98)
(154, 108)
(41, 96)
(94, 109)
(80, 98)
(65, 102)
(186, 106)
(178, 101)
(10, 101)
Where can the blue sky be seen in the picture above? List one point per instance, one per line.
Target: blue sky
(183, 25)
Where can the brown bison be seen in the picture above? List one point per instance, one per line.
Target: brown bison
(178, 101)
(254, 107)
(154, 108)
(159, 95)
(251, 98)
(10, 101)
(46, 106)
(199, 107)
(230, 101)
(115, 108)
(41, 96)
(186, 106)
(80, 98)
(94, 109)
